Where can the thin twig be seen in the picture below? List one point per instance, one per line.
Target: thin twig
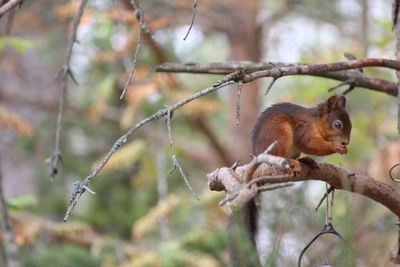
(79, 187)
(194, 5)
(228, 199)
(140, 14)
(239, 90)
(347, 82)
(66, 72)
(11, 249)
(270, 85)
(270, 188)
(9, 5)
(323, 197)
(175, 162)
(266, 179)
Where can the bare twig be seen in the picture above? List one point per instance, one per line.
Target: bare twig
(66, 72)
(79, 187)
(9, 5)
(267, 179)
(175, 162)
(194, 5)
(330, 189)
(347, 82)
(270, 188)
(11, 248)
(270, 85)
(140, 15)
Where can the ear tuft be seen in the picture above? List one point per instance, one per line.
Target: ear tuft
(342, 101)
(332, 102)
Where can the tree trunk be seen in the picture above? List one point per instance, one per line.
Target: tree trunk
(244, 37)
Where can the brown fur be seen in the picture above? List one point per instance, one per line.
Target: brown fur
(303, 130)
(300, 130)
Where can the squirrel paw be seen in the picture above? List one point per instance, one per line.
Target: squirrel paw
(310, 162)
(296, 168)
(340, 148)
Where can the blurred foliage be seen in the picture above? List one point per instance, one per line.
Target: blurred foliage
(60, 256)
(19, 44)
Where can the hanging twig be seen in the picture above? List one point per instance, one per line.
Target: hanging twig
(140, 16)
(65, 72)
(175, 162)
(239, 90)
(11, 249)
(194, 5)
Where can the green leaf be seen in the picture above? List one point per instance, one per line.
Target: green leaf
(19, 44)
(22, 202)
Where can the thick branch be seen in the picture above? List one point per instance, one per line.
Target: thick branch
(337, 71)
(221, 180)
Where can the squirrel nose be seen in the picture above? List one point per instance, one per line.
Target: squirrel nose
(345, 143)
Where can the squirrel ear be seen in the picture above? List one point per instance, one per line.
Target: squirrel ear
(342, 101)
(332, 102)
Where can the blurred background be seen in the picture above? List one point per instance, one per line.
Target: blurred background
(141, 214)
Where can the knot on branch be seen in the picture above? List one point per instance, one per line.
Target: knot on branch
(120, 142)
(238, 184)
(239, 75)
(77, 190)
(54, 160)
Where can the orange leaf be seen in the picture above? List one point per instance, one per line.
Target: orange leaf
(8, 118)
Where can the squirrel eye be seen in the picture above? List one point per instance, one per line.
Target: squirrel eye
(337, 124)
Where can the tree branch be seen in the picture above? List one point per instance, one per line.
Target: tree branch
(80, 188)
(225, 179)
(337, 71)
(9, 5)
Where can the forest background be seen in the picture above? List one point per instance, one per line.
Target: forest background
(141, 214)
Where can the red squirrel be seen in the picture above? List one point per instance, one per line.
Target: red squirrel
(321, 130)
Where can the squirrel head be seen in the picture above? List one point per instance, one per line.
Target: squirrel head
(334, 121)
